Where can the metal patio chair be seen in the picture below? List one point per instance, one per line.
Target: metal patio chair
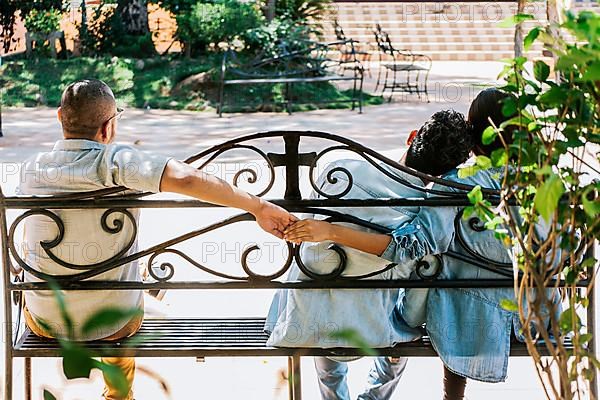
(351, 50)
(414, 66)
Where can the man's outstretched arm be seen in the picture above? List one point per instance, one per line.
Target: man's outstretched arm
(184, 179)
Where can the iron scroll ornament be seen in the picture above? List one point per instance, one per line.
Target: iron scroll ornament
(89, 270)
(459, 189)
(163, 272)
(121, 258)
(476, 225)
(372, 157)
(106, 196)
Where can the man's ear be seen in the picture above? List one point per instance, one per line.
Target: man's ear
(59, 115)
(104, 131)
(411, 137)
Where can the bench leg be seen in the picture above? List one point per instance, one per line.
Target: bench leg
(8, 376)
(27, 376)
(221, 99)
(294, 378)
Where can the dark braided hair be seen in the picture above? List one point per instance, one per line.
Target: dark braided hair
(442, 143)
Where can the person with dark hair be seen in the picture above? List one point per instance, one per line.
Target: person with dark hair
(307, 318)
(469, 328)
(487, 109)
(444, 130)
(88, 160)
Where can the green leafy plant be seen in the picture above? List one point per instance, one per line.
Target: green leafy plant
(281, 35)
(77, 360)
(304, 12)
(43, 21)
(217, 22)
(10, 9)
(106, 34)
(550, 178)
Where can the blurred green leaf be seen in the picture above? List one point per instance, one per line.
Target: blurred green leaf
(530, 38)
(108, 317)
(489, 135)
(514, 20)
(586, 337)
(570, 275)
(48, 395)
(541, 71)
(468, 171)
(509, 305)
(475, 195)
(483, 162)
(568, 320)
(509, 107)
(592, 72)
(353, 338)
(499, 157)
(77, 362)
(591, 203)
(60, 300)
(548, 195)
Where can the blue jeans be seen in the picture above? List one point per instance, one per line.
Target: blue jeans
(383, 378)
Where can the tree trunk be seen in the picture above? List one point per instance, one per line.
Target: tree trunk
(134, 14)
(519, 30)
(270, 10)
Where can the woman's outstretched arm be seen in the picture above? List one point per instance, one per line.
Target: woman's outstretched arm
(310, 230)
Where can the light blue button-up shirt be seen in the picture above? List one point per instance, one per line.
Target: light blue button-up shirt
(310, 318)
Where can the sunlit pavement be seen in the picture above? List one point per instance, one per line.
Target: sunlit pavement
(180, 134)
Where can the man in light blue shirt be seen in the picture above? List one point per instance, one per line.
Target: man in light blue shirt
(441, 144)
(88, 160)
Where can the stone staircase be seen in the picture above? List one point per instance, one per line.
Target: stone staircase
(444, 31)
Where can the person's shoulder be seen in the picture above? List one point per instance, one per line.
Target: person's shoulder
(487, 178)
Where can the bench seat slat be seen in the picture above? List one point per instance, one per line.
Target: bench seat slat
(205, 337)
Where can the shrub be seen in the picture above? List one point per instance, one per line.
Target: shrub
(106, 34)
(304, 11)
(219, 21)
(43, 21)
(550, 178)
(177, 6)
(278, 36)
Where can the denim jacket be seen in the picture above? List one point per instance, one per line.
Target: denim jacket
(310, 318)
(469, 329)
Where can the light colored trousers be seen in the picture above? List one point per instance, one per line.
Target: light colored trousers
(383, 378)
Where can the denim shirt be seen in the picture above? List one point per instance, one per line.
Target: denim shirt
(469, 329)
(310, 318)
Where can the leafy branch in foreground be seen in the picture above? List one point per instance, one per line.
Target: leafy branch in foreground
(77, 360)
(549, 202)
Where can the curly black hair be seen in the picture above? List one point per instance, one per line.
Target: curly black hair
(442, 143)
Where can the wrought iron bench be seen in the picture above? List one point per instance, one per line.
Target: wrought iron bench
(307, 62)
(220, 337)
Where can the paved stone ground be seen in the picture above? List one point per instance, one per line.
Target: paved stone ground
(181, 134)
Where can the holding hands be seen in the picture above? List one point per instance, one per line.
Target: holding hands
(273, 219)
(308, 230)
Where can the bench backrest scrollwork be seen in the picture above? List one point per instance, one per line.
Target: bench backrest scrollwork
(294, 159)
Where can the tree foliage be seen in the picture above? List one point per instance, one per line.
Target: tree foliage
(9, 10)
(550, 179)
